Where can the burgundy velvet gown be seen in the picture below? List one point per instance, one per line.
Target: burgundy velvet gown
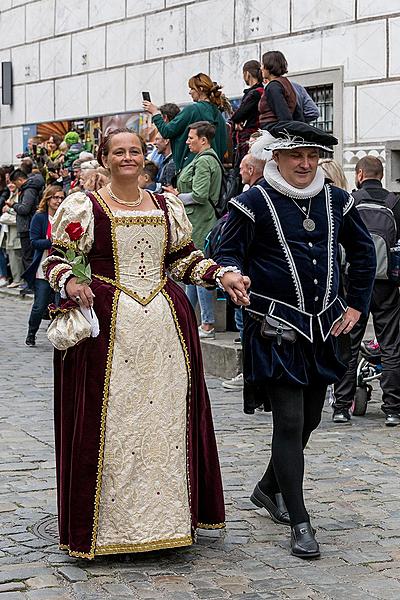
(137, 463)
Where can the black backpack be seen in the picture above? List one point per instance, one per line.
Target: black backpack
(213, 239)
(381, 224)
(230, 187)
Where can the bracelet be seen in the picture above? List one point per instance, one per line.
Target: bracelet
(222, 272)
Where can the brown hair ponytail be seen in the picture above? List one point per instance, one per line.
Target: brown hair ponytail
(202, 83)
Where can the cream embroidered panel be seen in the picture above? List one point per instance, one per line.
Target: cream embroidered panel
(140, 249)
(144, 496)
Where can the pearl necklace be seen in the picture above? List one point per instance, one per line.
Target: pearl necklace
(119, 201)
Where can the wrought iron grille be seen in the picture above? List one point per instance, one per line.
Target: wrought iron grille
(323, 98)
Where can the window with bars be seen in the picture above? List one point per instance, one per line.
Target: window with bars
(323, 98)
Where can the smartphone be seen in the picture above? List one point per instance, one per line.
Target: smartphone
(146, 96)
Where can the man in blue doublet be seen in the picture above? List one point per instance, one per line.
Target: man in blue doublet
(284, 233)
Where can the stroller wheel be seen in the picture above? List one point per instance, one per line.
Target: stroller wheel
(361, 398)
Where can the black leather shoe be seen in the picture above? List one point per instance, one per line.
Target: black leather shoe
(30, 340)
(303, 543)
(277, 509)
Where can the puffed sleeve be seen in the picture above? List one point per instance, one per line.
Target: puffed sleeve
(76, 208)
(184, 262)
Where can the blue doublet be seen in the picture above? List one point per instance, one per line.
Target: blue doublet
(295, 277)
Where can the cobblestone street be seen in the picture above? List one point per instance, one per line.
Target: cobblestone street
(352, 490)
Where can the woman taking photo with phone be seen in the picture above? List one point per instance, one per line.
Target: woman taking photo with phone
(208, 105)
(143, 472)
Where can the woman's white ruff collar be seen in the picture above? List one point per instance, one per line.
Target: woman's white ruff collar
(275, 180)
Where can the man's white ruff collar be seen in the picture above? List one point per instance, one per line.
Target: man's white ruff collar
(275, 180)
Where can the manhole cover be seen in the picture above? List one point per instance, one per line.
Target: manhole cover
(46, 529)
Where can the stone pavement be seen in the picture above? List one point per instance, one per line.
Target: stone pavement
(352, 490)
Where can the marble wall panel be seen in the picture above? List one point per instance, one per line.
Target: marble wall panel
(210, 24)
(89, 50)
(71, 15)
(394, 47)
(349, 115)
(303, 52)
(125, 42)
(40, 102)
(40, 20)
(71, 97)
(378, 114)
(136, 9)
(105, 12)
(12, 27)
(55, 57)
(165, 33)
(25, 62)
(6, 151)
(261, 18)
(107, 92)
(371, 8)
(314, 13)
(146, 77)
(15, 114)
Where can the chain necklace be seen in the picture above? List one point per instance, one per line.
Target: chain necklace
(119, 201)
(308, 224)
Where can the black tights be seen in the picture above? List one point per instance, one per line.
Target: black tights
(296, 412)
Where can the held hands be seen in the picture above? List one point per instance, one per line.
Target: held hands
(346, 322)
(150, 107)
(79, 292)
(236, 285)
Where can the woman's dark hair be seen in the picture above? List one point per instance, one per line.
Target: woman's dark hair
(169, 110)
(3, 183)
(203, 129)
(275, 62)
(104, 147)
(254, 68)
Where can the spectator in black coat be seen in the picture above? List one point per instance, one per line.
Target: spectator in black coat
(245, 118)
(30, 189)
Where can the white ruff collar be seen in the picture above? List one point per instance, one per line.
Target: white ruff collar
(275, 180)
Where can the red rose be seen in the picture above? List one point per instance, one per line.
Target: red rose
(75, 231)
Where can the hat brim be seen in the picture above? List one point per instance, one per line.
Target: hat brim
(286, 145)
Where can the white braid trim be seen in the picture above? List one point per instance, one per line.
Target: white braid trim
(62, 283)
(222, 272)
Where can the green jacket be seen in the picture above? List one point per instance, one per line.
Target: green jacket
(177, 130)
(202, 178)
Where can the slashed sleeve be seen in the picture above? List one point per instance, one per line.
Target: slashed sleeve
(184, 262)
(76, 208)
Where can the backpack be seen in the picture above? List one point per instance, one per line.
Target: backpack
(230, 187)
(213, 239)
(381, 224)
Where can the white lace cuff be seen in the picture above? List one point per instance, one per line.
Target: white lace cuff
(222, 272)
(62, 283)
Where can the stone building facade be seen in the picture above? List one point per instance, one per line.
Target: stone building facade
(77, 58)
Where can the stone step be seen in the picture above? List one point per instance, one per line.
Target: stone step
(222, 358)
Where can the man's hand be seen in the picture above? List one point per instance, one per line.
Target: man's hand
(79, 292)
(346, 322)
(236, 285)
(150, 107)
(5, 208)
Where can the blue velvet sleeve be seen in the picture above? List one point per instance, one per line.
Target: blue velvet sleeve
(360, 255)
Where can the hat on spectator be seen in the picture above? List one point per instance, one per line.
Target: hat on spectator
(72, 137)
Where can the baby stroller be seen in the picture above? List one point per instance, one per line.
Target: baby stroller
(369, 368)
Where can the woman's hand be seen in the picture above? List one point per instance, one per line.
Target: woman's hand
(236, 285)
(79, 292)
(150, 108)
(170, 189)
(346, 322)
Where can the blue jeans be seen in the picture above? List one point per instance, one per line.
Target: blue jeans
(3, 263)
(204, 297)
(44, 295)
(239, 321)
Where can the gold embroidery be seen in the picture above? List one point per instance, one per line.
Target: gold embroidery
(199, 271)
(180, 266)
(145, 546)
(134, 295)
(181, 245)
(103, 424)
(211, 526)
(62, 244)
(139, 220)
(189, 374)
